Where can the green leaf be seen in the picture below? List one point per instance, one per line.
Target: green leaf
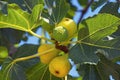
(12, 71)
(9, 36)
(72, 10)
(56, 10)
(19, 19)
(15, 18)
(100, 71)
(40, 72)
(81, 53)
(26, 50)
(46, 26)
(89, 72)
(98, 3)
(101, 24)
(106, 68)
(31, 3)
(111, 8)
(92, 40)
(0, 73)
(35, 16)
(83, 2)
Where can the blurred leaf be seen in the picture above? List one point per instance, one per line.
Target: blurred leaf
(18, 2)
(26, 5)
(72, 10)
(26, 50)
(111, 8)
(83, 2)
(3, 7)
(107, 68)
(56, 10)
(35, 16)
(12, 71)
(42, 73)
(1, 61)
(81, 53)
(97, 3)
(98, 27)
(100, 71)
(31, 3)
(9, 36)
(89, 72)
(19, 19)
(46, 26)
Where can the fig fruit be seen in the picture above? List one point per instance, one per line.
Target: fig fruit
(70, 25)
(60, 33)
(47, 57)
(3, 52)
(60, 66)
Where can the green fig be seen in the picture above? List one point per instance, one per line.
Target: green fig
(3, 52)
(60, 33)
(70, 25)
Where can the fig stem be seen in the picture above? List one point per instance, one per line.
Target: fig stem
(65, 77)
(69, 42)
(32, 56)
(41, 37)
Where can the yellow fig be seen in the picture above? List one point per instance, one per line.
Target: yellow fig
(47, 57)
(70, 25)
(60, 66)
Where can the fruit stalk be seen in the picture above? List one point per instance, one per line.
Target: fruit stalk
(41, 37)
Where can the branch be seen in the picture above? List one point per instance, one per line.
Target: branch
(32, 56)
(41, 37)
(84, 11)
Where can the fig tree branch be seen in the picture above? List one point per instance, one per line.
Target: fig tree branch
(41, 37)
(84, 11)
(32, 56)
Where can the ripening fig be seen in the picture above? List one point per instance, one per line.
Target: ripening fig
(60, 33)
(60, 66)
(47, 57)
(3, 52)
(70, 25)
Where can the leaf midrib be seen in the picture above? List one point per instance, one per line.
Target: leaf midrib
(100, 30)
(16, 26)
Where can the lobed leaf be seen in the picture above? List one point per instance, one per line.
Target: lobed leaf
(92, 40)
(110, 8)
(101, 71)
(56, 10)
(19, 19)
(26, 50)
(12, 71)
(97, 4)
(42, 73)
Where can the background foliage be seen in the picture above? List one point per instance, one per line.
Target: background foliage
(95, 54)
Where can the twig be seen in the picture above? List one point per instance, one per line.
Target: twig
(41, 37)
(84, 11)
(32, 56)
